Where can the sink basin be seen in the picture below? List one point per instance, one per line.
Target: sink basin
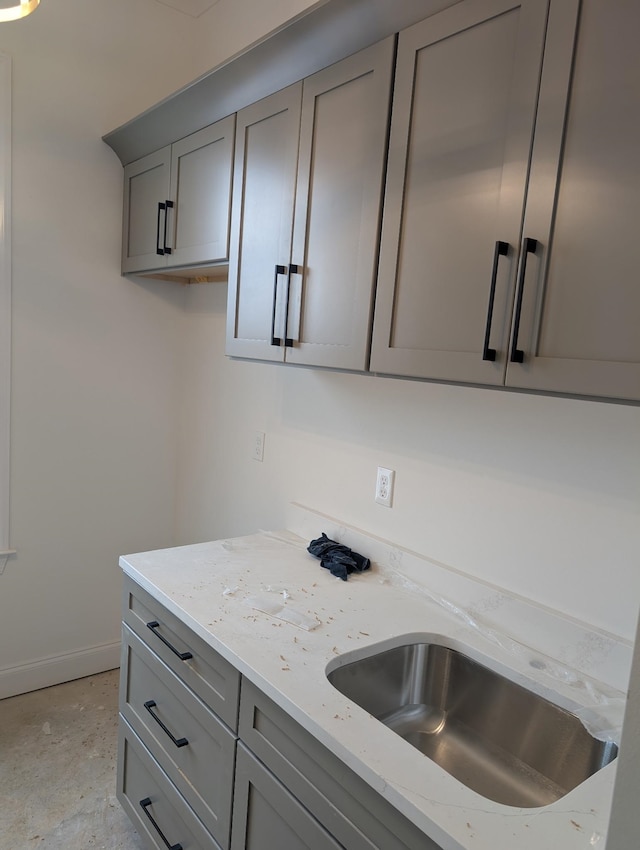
(498, 738)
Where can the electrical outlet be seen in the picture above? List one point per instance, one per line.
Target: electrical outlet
(258, 446)
(384, 486)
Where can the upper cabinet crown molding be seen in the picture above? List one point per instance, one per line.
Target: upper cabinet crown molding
(325, 34)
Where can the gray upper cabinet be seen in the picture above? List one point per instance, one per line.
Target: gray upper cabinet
(490, 274)
(177, 202)
(302, 271)
(463, 114)
(580, 290)
(505, 252)
(146, 189)
(264, 188)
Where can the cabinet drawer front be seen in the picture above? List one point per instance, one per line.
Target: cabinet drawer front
(354, 813)
(195, 749)
(216, 682)
(267, 816)
(140, 780)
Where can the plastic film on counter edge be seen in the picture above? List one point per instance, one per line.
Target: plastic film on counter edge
(600, 710)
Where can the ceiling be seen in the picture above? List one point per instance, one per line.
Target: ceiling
(194, 8)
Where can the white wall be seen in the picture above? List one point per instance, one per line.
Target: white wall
(231, 26)
(536, 494)
(94, 355)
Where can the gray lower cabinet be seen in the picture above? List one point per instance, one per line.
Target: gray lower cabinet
(349, 809)
(508, 252)
(208, 762)
(196, 750)
(177, 202)
(309, 168)
(178, 729)
(159, 813)
(266, 815)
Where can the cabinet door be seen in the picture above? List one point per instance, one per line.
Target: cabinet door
(343, 139)
(463, 112)
(578, 330)
(201, 195)
(266, 815)
(266, 157)
(146, 188)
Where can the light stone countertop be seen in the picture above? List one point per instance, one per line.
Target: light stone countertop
(213, 587)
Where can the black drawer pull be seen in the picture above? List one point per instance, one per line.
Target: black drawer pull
(276, 340)
(161, 208)
(501, 250)
(183, 656)
(529, 246)
(145, 808)
(293, 269)
(179, 742)
(168, 206)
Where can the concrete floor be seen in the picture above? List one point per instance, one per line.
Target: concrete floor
(58, 749)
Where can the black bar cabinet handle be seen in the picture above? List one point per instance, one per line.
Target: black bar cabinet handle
(275, 340)
(168, 206)
(161, 207)
(179, 742)
(293, 269)
(183, 656)
(145, 808)
(529, 246)
(501, 250)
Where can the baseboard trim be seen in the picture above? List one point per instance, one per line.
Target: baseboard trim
(58, 668)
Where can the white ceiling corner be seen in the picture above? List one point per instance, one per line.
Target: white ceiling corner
(194, 8)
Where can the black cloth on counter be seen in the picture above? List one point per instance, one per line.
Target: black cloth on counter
(337, 558)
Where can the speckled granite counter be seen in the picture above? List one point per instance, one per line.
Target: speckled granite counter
(217, 588)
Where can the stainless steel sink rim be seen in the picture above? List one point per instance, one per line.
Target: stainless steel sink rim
(500, 739)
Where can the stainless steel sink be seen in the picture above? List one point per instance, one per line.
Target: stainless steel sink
(496, 737)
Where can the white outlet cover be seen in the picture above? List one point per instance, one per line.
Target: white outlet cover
(258, 446)
(384, 486)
